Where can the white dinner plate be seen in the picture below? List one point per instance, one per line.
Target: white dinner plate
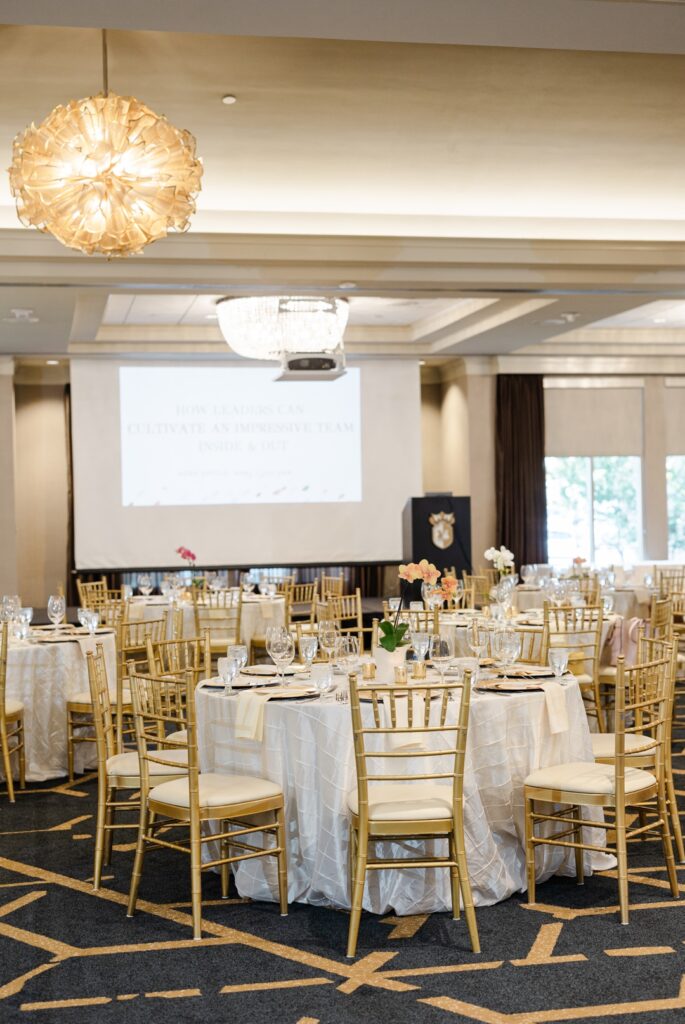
(271, 670)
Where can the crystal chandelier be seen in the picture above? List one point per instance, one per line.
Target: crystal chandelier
(272, 326)
(105, 174)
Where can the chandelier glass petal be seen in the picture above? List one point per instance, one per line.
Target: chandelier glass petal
(105, 174)
(271, 326)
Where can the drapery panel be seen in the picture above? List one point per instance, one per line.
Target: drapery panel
(520, 466)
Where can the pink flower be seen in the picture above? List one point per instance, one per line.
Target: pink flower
(429, 573)
(449, 586)
(410, 572)
(186, 554)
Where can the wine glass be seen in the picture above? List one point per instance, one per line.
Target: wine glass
(347, 654)
(239, 652)
(441, 653)
(281, 649)
(92, 621)
(608, 603)
(477, 637)
(527, 573)
(22, 620)
(420, 641)
(328, 634)
(145, 584)
(558, 661)
(82, 615)
(309, 645)
(57, 609)
(506, 647)
(228, 669)
(324, 680)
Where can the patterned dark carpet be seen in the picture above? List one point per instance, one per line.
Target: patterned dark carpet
(69, 955)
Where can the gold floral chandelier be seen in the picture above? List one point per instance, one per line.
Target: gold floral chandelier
(105, 174)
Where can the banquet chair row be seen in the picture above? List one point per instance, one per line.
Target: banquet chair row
(11, 723)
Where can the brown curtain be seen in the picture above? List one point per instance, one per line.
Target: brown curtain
(520, 467)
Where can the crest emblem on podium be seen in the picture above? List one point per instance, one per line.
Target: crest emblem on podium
(442, 529)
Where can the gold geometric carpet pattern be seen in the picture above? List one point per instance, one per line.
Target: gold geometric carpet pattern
(67, 954)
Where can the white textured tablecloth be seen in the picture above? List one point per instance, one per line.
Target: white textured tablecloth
(307, 748)
(630, 602)
(256, 614)
(44, 676)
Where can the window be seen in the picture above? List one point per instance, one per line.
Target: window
(675, 489)
(594, 508)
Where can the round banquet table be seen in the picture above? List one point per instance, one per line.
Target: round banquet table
(307, 748)
(629, 602)
(44, 674)
(256, 614)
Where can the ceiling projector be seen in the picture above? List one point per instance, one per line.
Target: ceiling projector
(312, 365)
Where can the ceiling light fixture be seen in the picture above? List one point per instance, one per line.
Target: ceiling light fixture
(52, 362)
(272, 326)
(105, 174)
(21, 316)
(346, 286)
(229, 99)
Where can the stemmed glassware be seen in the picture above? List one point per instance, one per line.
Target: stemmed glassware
(280, 647)
(420, 642)
(8, 607)
(432, 595)
(145, 584)
(228, 669)
(328, 634)
(506, 647)
(608, 603)
(347, 654)
(558, 661)
(22, 622)
(57, 609)
(477, 637)
(239, 653)
(309, 645)
(441, 653)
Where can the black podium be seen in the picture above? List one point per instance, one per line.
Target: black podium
(438, 528)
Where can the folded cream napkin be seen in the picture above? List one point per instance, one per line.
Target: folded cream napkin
(249, 719)
(555, 701)
(404, 741)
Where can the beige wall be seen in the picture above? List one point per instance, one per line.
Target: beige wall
(8, 536)
(41, 491)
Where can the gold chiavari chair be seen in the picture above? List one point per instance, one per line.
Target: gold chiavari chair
(132, 637)
(115, 770)
(346, 612)
(219, 613)
(476, 590)
(492, 576)
(93, 591)
(394, 801)
(332, 586)
(419, 620)
(578, 629)
(302, 602)
(615, 787)
(589, 588)
(534, 644)
(190, 656)
(640, 746)
(232, 800)
(661, 619)
(11, 722)
(670, 581)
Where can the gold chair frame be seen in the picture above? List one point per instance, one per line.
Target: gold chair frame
(11, 724)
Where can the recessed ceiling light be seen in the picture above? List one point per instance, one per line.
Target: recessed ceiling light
(21, 316)
(52, 362)
(211, 316)
(659, 319)
(229, 99)
(347, 285)
(422, 362)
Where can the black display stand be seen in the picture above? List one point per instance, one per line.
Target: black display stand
(426, 520)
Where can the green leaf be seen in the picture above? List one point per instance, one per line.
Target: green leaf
(388, 642)
(387, 627)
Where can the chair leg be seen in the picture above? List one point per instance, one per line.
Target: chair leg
(22, 755)
(100, 830)
(362, 845)
(225, 852)
(528, 808)
(667, 844)
(109, 826)
(6, 761)
(144, 823)
(578, 838)
(675, 817)
(454, 878)
(196, 880)
(282, 862)
(70, 745)
(601, 724)
(465, 882)
(622, 857)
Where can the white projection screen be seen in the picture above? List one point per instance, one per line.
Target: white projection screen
(242, 469)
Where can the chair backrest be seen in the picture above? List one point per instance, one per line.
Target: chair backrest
(219, 612)
(589, 587)
(579, 630)
(643, 704)
(90, 591)
(534, 644)
(476, 590)
(346, 611)
(132, 638)
(190, 656)
(161, 706)
(301, 602)
(112, 611)
(661, 618)
(381, 713)
(491, 575)
(419, 620)
(332, 586)
(103, 719)
(669, 581)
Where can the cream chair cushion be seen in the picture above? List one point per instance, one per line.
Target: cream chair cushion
(398, 801)
(604, 743)
(84, 697)
(586, 777)
(217, 790)
(180, 736)
(13, 707)
(126, 765)
(584, 679)
(607, 674)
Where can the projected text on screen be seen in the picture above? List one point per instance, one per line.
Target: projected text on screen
(222, 436)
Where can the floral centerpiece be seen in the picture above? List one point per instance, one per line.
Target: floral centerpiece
(395, 633)
(190, 559)
(502, 559)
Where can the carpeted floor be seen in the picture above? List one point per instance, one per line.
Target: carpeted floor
(69, 955)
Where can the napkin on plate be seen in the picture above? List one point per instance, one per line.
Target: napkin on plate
(555, 701)
(249, 720)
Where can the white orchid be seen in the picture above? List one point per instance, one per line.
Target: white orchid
(502, 559)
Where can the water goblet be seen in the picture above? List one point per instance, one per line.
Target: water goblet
(145, 584)
(506, 647)
(607, 603)
(323, 683)
(57, 608)
(420, 641)
(328, 634)
(280, 648)
(82, 615)
(309, 645)
(228, 669)
(441, 654)
(347, 654)
(239, 652)
(558, 661)
(477, 637)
